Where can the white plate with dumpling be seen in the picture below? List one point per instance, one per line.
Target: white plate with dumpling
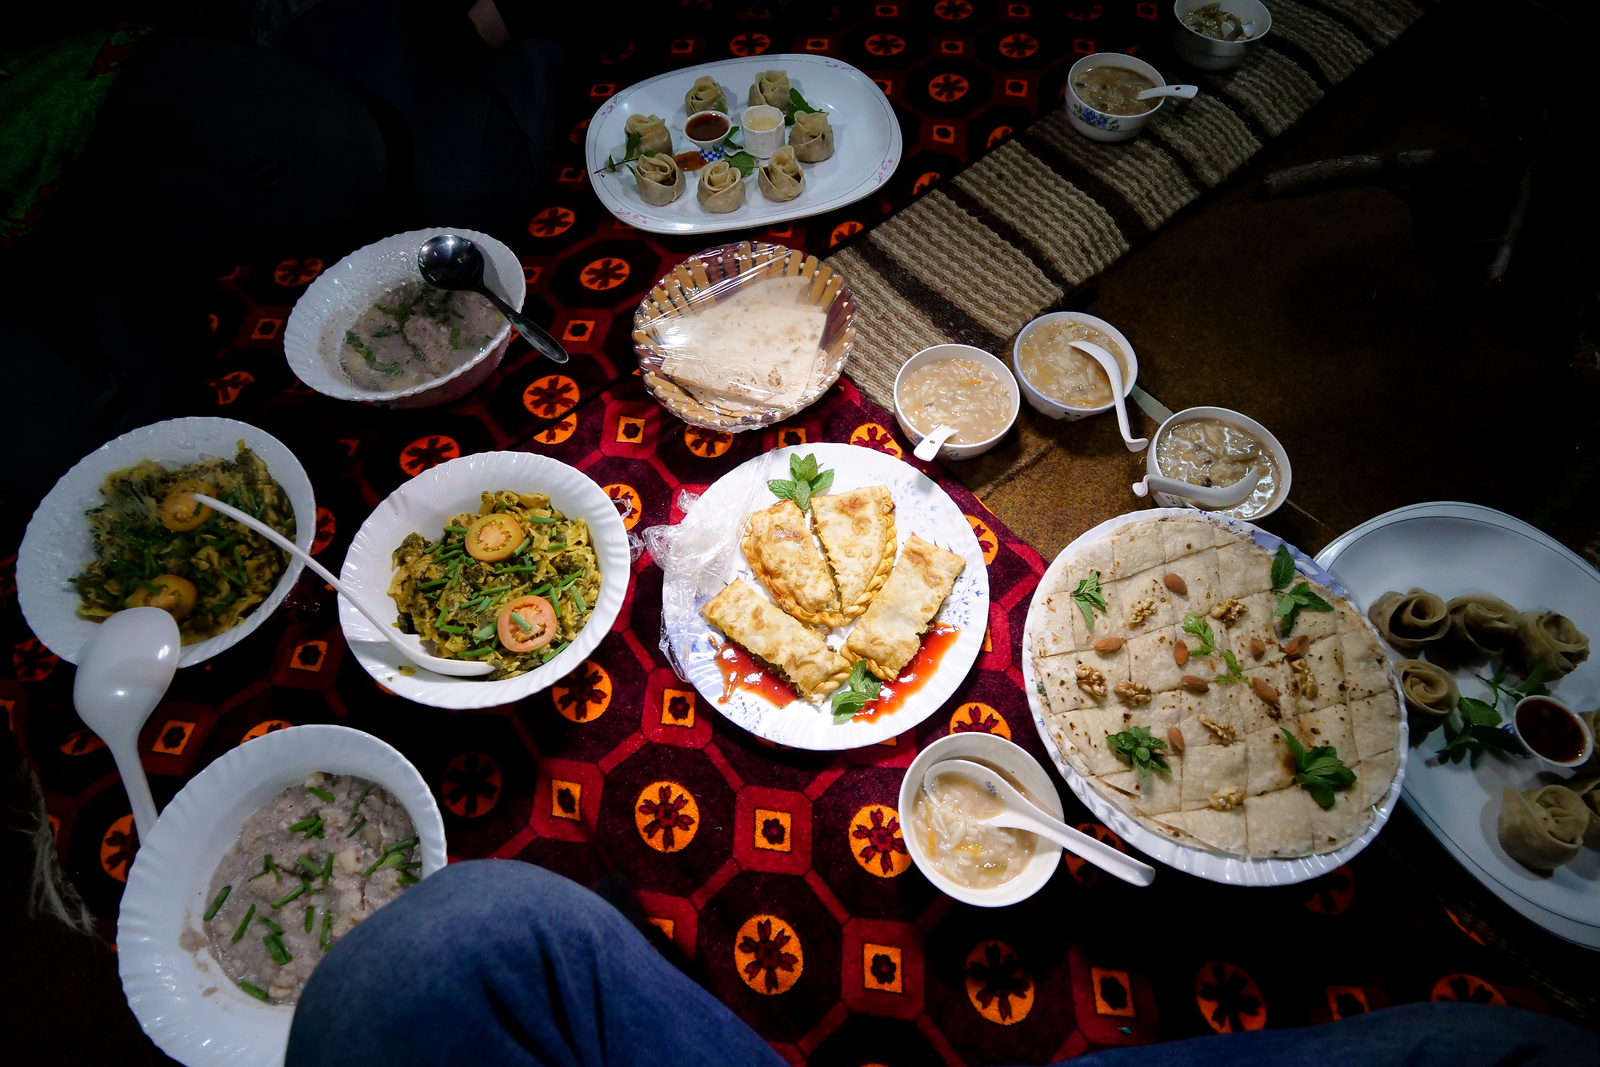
(866, 144)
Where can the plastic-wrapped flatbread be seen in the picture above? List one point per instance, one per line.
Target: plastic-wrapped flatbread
(653, 135)
(660, 179)
(705, 95)
(1431, 694)
(1542, 828)
(1548, 638)
(772, 88)
(812, 137)
(720, 188)
(782, 178)
(1410, 620)
(1481, 625)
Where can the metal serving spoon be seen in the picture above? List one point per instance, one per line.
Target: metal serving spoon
(451, 262)
(1113, 371)
(1213, 498)
(1022, 814)
(125, 671)
(409, 645)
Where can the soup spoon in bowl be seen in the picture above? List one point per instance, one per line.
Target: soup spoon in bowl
(451, 262)
(1211, 497)
(409, 645)
(1020, 813)
(929, 446)
(1113, 371)
(1182, 92)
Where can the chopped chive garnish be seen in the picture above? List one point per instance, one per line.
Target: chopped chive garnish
(357, 806)
(267, 867)
(521, 622)
(304, 824)
(578, 599)
(270, 925)
(321, 794)
(455, 529)
(311, 866)
(409, 879)
(292, 894)
(280, 954)
(326, 939)
(519, 570)
(401, 846)
(216, 905)
(433, 584)
(409, 866)
(327, 869)
(439, 622)
(543, 590)
(237, 934)
(526, 541)
(450, 628)
(474, 653)
(541, 519)
(254, 990)
(484, 632)
(310, 911)
(357, 827)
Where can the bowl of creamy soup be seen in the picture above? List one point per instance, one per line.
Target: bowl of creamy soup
(1217, 34)
(1064, 382)
(255, 870)
(1100, 96)
(369, 329)
(946, 833)
(1210, 446)
(960, 386)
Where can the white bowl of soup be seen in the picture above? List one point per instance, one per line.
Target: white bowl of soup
(1207, 35)
(974, 863)
(1211, 446)
(1100, 96)
(369, 329)
(960, 386)
(1062, 382)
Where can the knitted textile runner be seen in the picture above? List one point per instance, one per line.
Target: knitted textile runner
(1006, 239)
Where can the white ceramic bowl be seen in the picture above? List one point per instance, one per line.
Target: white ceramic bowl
(57, 545)
(1023, 770)
(1097, 125)
(423, 505)
(1244, 422)
(1043, 404)
(1208, 53)
(183, 999)
(345, 290)
(949, 450)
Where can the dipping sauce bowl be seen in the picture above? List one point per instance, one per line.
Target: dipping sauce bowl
(1552, 731)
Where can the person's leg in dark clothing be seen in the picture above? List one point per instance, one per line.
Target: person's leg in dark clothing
(496, 962)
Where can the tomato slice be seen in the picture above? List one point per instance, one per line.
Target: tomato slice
(174, 593)
(494, 537)
(180, 511)
(540, 617)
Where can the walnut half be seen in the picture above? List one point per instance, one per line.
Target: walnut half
(1226, 799)
(1224, 732)
(1091, 681)
(1132, 692)
(1303, 679)
(1228, 611)
(1141, 611)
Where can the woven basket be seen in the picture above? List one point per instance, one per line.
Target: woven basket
(688, 288)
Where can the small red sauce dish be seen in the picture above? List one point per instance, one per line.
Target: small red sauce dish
(707, 128)
(1552, 731)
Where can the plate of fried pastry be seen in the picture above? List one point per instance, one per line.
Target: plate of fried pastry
(1211, 694)
(854, 604)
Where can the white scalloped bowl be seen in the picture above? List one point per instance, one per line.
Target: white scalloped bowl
(343, 291)
(183, 1000)
(57, 545)
(423, 505)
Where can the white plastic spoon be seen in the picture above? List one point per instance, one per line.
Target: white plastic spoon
(929, 446)
(1213, 498)
(1182, 92)
(1022, 814)
(125, 671)
(410, 645)
(1114, 372)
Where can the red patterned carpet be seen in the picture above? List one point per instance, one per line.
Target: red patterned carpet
(781, 875)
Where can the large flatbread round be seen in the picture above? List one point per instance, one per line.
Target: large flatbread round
(1231, 788)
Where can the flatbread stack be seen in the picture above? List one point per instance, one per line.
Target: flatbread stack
(1232, 784)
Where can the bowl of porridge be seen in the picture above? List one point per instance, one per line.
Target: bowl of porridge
(960, 386)
(1210, 446)
(1062, 382)
(369, 329)
(944, 828)
(257, 868)
(1217, 34)
(1101, 91)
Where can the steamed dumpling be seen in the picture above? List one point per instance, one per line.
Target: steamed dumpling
(781, 178)
(1481, 625)
(1410, 620)
(660, 179)
(1548, 638)
(1431, 694)
(1542, 828)
(812, 137)
(772, 87)
(653, 135)
(705, 95)
(720, 188)
(1588, 790)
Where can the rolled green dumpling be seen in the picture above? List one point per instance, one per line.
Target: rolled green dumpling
(652, 131)
(782, 178)
(705, 95)
(660, 179)
(1542, 828)
(1431, 693)
(1410, 620)
(720, 188)
(1481, 625)
(772, 87)
(1548, 638)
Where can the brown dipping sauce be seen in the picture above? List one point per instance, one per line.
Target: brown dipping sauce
(707, 127)
(1550, 730)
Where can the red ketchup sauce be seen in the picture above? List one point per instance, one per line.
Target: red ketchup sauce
(742, 672)
(1550, 730)
(892, 697)
(689, 162)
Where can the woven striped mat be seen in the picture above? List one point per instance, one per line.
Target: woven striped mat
(976, 258)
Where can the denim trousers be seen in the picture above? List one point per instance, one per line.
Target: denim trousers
(497, 962)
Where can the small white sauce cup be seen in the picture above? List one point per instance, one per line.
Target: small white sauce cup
(761, 143)
(1234, 418)
(1102, 126)
(1583, 726)
(1055, 409)
(1024, 771)
(951, 450)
